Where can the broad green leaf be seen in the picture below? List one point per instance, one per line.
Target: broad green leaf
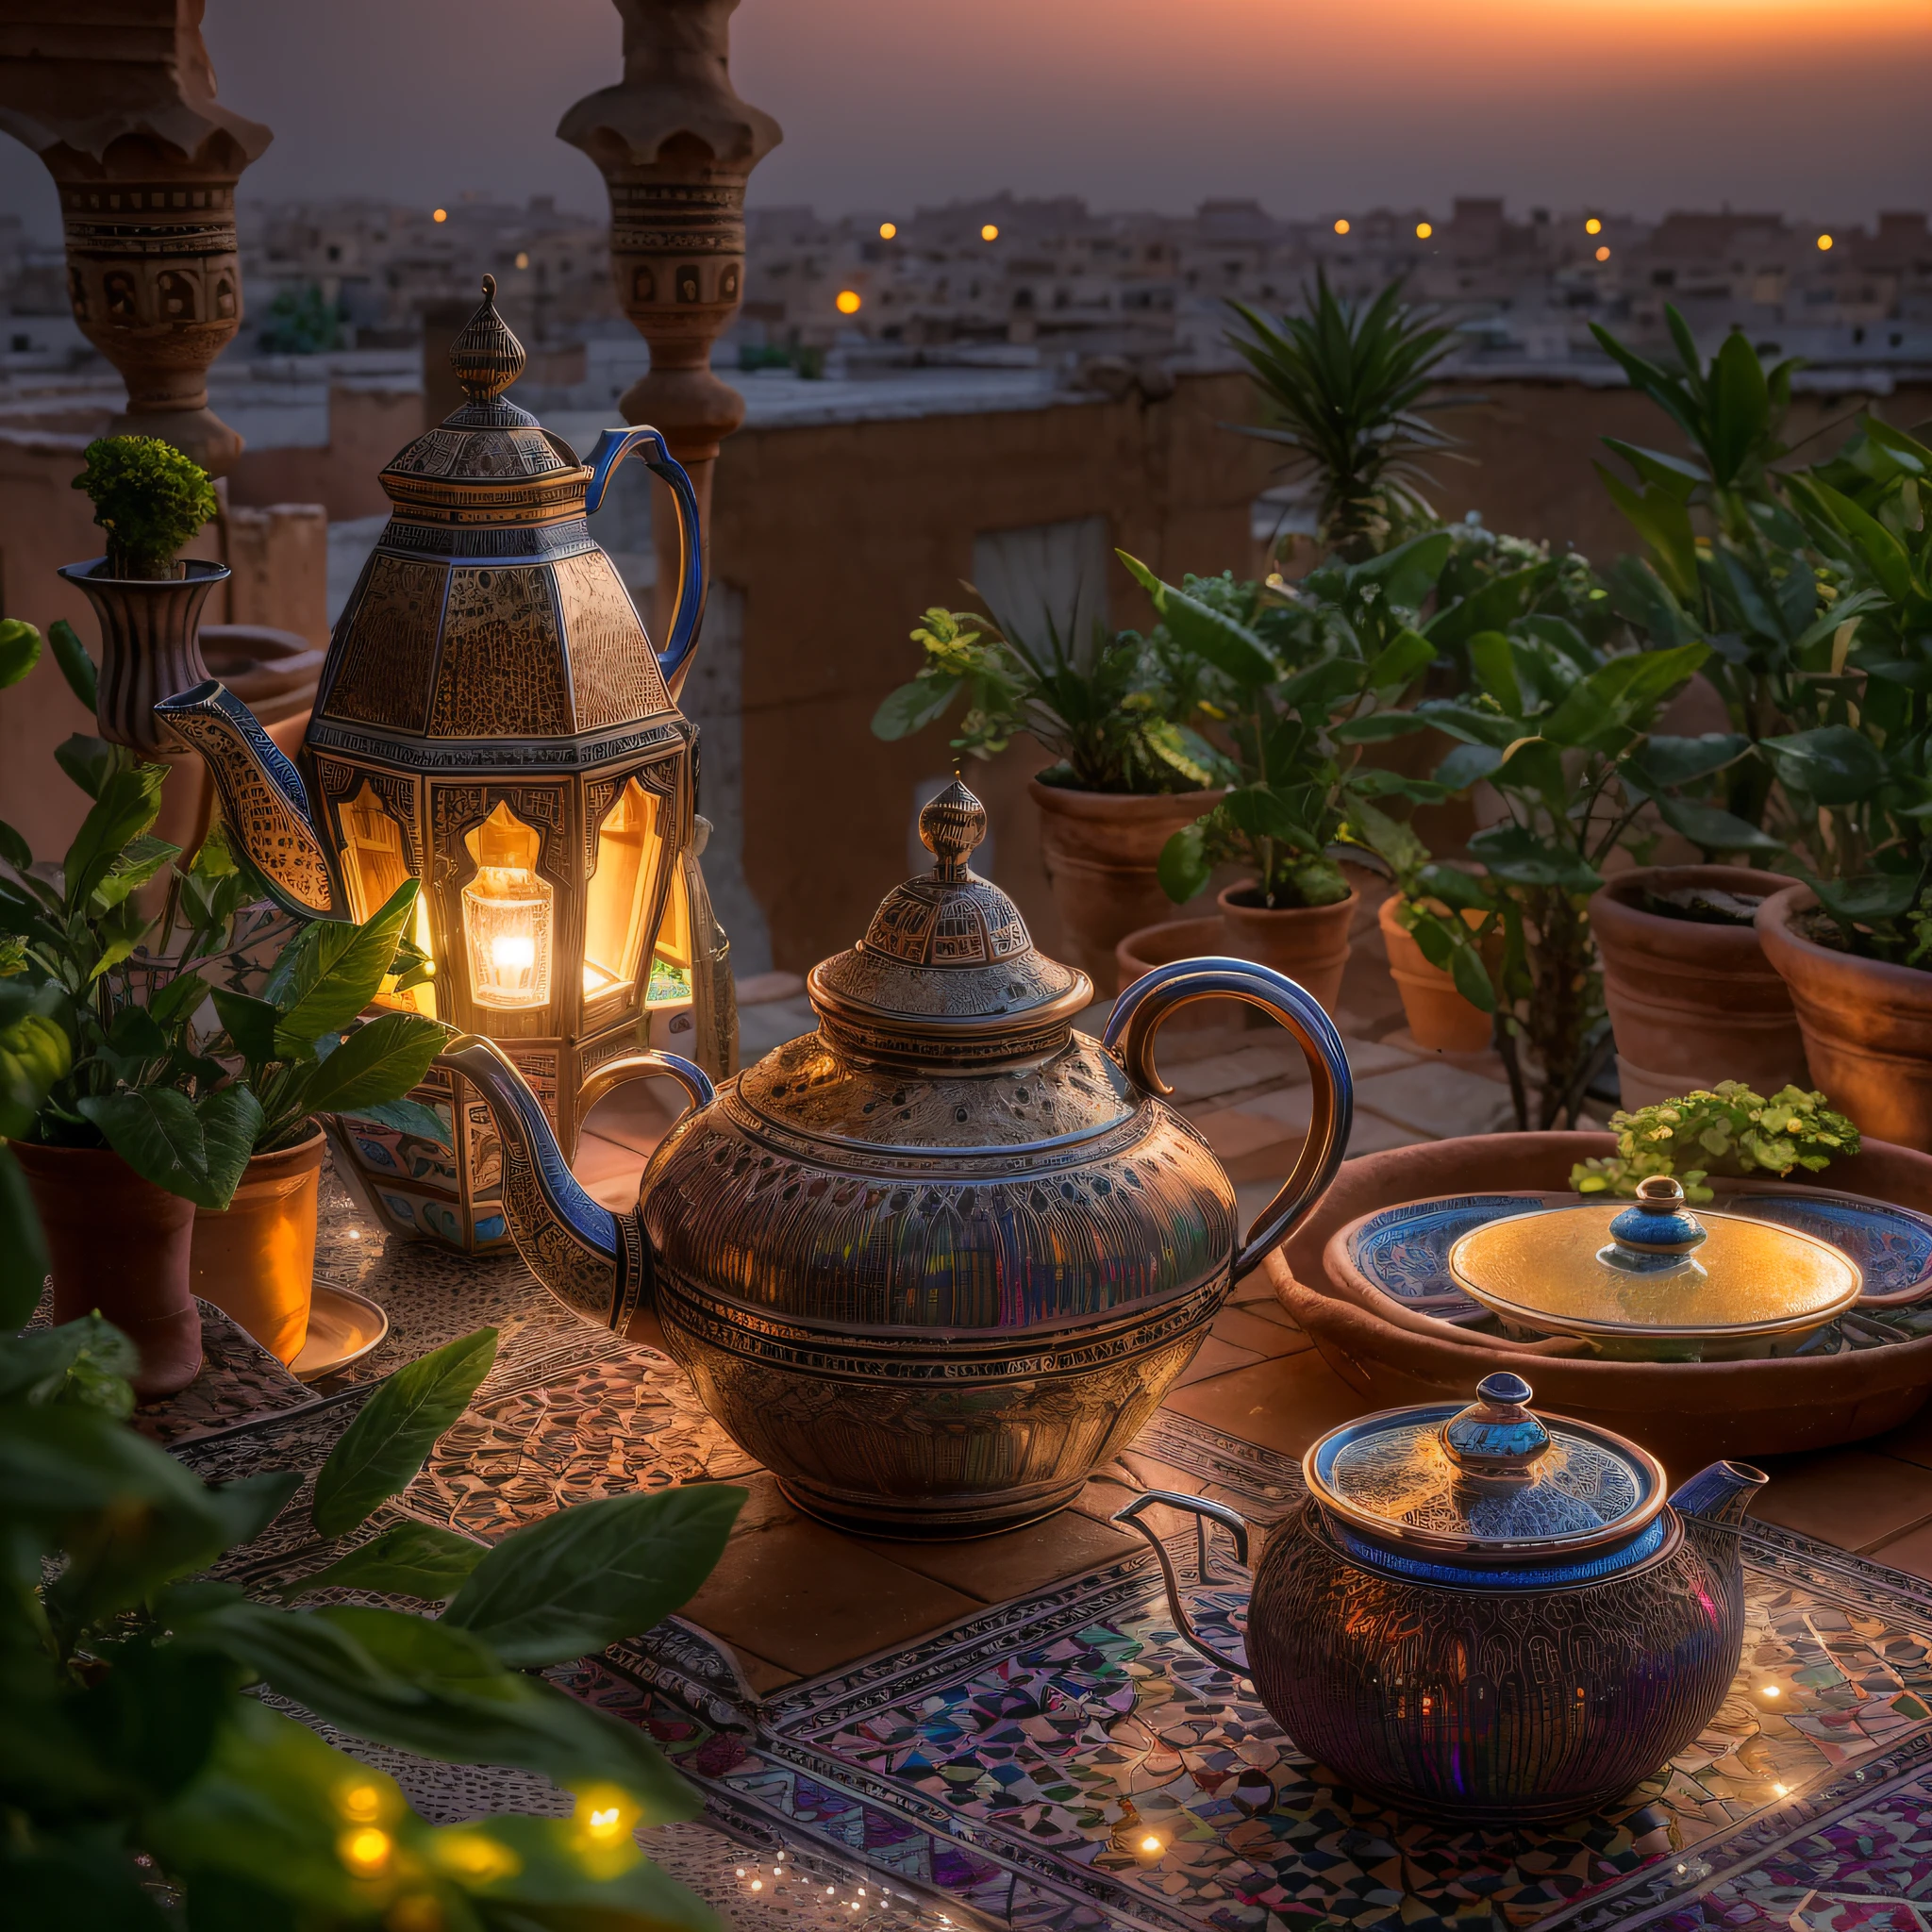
(1183, 865)
(1455, 888)
(1491, 607)
(407, 1560)
(380, 1061)
(578, 1581)
(1407, 573)
(1739, 415)
(22, 1248)
(1713, 829)
(20, 650)
(198, 1152)
(1665, 762)
(1472, 722)
(179, 999)
(1376, 726)
(249, 1022)
(1884, 555)
(333, 970)
(1389, 838)
(1494, 665)
(119, 930)
(384, 1447)
(1621, 694)
(76, 666)
(67, 1364)
(1677, 475)
(1868, 898)
(1230, 647)
(1834, 764)
(1534, 765)
(1473, 978)
(1466, 765)
(914, 706)
(231, 1119)
(34, 1054)
(138, 863)
(128, 806)
(406, 1117)
(14, 848)
(1264, 814)
(1519, 855)
(1401, 663)
(91, 762)
(1663, 522)
(427, 1687)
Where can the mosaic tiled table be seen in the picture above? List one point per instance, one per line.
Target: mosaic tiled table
(1063, 1760)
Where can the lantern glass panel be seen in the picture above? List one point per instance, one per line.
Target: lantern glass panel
(631, 853)
(375, 864)
(510, 915)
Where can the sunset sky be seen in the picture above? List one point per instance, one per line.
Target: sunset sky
(1816, 107)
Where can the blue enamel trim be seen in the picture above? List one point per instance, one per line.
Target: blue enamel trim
(610, 450)
(1591, 1569)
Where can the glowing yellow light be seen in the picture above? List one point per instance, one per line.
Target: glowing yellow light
(1770, 1690)
(887, 230)
(477, 1855)
(1341, 228)
(1149, 1845)
(361, 1802)
(604, 1814)
(441, 214)
(1592, 226)
(1781, 1789)
(849, 302)
(601, 1819)
(1423, 230)
(990, 233)
(364, 1851)
(1824, 240)
(508, 913)
(522, 259)
(1603, 255)
(757, 1885)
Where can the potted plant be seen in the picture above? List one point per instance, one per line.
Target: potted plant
(150, 499)
(1115, 713)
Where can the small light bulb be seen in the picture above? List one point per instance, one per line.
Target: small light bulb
(887, 230)
(1341, 228)
(1149, 1845)
(1824, 241)
(1770, 1691)
(757, 1885)
(990, 233)
(1592, 226)
(849, 302)
(1603, 255)
(740, 1870)
(441, 214)
(514, 952)
(1423, 230)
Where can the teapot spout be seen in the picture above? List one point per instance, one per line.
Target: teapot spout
(594, 1262)
(1720, 1495)
(263, 802)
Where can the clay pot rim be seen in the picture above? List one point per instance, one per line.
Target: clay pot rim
(1912, 984)
(1617, 895)
(306, 1153)
(1075, 801)
(1227, 902)
(195, 570)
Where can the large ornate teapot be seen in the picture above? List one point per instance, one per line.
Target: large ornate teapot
(935, 1262)
(1486, 1614)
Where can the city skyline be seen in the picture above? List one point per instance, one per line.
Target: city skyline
(1805, 107)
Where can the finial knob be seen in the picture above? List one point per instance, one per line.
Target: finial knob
(1658, 1233)
(950, 828)
(1496, 1438)
(486, 356)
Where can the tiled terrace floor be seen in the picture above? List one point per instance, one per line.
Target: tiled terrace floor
(795, 1598)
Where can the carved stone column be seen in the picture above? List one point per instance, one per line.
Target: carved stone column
(120, 104)
(675, 144)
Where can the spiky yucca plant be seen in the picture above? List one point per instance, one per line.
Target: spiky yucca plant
(1347, 387)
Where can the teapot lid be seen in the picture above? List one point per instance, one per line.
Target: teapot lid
(1494, 1479)
(1653, 1270)
(947, 973)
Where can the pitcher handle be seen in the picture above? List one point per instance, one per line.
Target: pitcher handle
(685, 615)
(639, 1066)
(1203, 1512)
(1138, 1015)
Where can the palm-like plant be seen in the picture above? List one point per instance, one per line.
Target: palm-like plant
(1347, 387)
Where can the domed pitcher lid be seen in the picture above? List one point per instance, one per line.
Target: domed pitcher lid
(1491, 1480)
(947, 974)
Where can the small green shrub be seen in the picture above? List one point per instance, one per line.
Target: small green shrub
(148, 497)
(1727, 1130)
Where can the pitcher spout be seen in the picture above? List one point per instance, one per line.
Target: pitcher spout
(1720, 1496)
(263, 800)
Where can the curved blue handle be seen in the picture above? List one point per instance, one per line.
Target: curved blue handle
(685, 615)
(1137, 1017)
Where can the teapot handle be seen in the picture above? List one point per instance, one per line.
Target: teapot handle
(641, 1066)
(606, 453)
(1138, 1015)
(1203, 1512)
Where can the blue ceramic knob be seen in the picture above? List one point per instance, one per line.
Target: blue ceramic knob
(1656, 1234)
(1496, 1438)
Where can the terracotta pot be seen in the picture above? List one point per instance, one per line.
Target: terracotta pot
(1439, 1016)
(1101, 850)
(1691, 1003)
(1867, 1025)
(1184, 939)
(256, 1260)
(120, 1244)
(1309, 943)
(1684, 1412)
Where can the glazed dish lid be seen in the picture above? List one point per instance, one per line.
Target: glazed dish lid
(947, 976)
(1494, 1480)
(1653, 1271)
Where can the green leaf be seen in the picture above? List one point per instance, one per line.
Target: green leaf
(198, 1152)
(76, 667)
(91, 762)
(1467, 765)
(14, 848)
(1471, 978)
(138, 863)
(1376, 726)
(576, 1582)
(1230, 647)
(1494, 665)
(1261, 812)
(1490, 607)
(407, 1560)
(1183, 866)
(384, 1447)
(250, 1023)
(1663, 521)
(179, 999)
(380, 1061)
(1407, 573)
(34, 1054)
(1740, 414)
(23, 1262)
(1401, 663)
(914, 706)
(20, 650)
(1834, 764)
(1886, 556)
(332, 971)
(1516, 853)
(1869, 898)
(1621, 695)
(67, 1364)
(1665, 763)
(1712, 829)
(406, 1117)
(128, 806)
(1390, 839)
(427, 1687)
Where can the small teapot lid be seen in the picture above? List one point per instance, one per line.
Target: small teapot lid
(1494, 1479)
(947, 973)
